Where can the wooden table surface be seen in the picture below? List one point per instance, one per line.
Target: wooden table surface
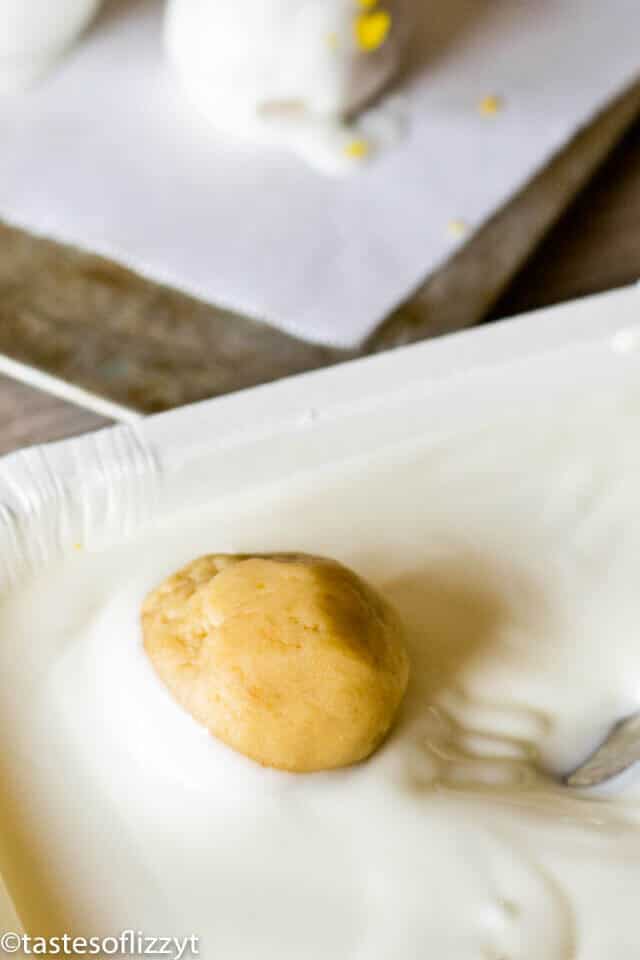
(595, 247)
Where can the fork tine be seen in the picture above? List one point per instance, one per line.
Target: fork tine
(619, 752)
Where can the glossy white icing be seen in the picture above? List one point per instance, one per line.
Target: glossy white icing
(291, 72)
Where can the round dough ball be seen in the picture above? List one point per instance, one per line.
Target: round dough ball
(246, 62)
(290, 659)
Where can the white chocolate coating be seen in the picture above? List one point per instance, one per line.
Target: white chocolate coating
(35, 33)
(287, 70)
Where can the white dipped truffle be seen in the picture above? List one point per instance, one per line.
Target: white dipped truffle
(287, 70)
(34, 34)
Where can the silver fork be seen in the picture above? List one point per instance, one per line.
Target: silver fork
(619, 752)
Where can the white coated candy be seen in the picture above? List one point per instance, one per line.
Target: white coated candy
(288, 70)
(35, 33)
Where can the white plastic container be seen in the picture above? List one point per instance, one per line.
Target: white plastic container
(34, 34)
(71, 502)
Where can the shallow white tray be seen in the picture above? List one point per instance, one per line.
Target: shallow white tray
(109, 486)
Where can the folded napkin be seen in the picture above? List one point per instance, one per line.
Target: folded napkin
(109, 155)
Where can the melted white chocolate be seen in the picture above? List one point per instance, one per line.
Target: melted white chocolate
(513, 556)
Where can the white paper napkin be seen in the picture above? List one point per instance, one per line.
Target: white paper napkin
(110, 156)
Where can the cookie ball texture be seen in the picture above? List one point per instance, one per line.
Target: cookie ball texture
(290, 659)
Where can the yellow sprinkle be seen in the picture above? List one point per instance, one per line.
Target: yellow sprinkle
(366, 4)
(77, 546)
(372, 29)
(357, 149)
(490, 105)
(457, 228)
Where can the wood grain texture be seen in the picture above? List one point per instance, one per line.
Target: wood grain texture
(28, 416)
(103, 327)
(596, 244)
